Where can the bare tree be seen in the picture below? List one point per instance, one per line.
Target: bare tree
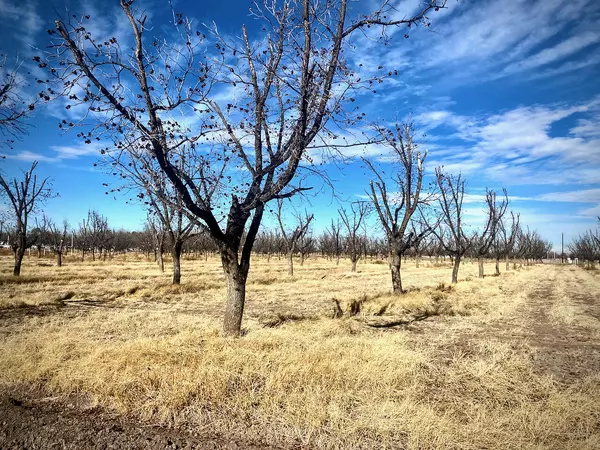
(306, 245)
(292, 238)
(24, 196)
(294, 82)
(335, 233)
(586, 248)
(531, 247)
(14, 108)
(507, 238)
(483, 239)
(396, 208)
(451, 233)
(352, 222)
(156, 191)
(155, 227)
(56, 237)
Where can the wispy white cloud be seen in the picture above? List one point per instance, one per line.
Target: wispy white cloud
(58, 153)
(518, 146)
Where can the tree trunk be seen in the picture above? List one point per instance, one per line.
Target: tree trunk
(497, 265)
(480, 262)
(455, 269)
(337, 262)
(302, 259)
(290, 264)
(417, 261)
(507, 263)
(395, 265)
(354, 260)
(18, 260)
(176, 253)
(59, 258)
(236, 293)
(160, 260)
(19, 253)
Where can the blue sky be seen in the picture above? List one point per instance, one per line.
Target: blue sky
(507, 93)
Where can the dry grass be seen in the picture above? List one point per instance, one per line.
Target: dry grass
(150, 350)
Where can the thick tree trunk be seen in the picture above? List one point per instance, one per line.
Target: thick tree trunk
(395, 265)
(236, 293)
(302, 259)
(59, 258)
(18, 261)
(497, 265)
(290, 264)
(19, 253)
(354, 260)
(417, 261)
(176, 253)
(455, 269)
(480, 262)
(507, 263)
(337, 262)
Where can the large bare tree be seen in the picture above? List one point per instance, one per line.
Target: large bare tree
(23, 197)
(396, 207)
(288, 87)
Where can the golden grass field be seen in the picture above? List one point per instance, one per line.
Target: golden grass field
(508, 362)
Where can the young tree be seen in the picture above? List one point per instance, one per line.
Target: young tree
(306, 245)
(293, 81)
(164, 202)
(352, 222)
(395, 209)
(292, 238)
(483, 239)
(156, 229)
(24, 196)
(335, 234)
(507, 238)
(56, 237)
(99, 233)
(586, 248)
(451, 234)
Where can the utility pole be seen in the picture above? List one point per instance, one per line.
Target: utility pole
(562, 248)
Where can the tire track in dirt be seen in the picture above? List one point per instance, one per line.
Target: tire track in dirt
(565, 346)
(38, 425)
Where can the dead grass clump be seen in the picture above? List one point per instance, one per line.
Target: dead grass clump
(23, 279)
(282, 318)
(66, 296)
